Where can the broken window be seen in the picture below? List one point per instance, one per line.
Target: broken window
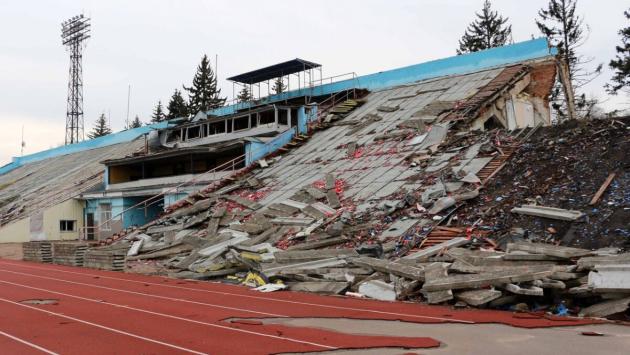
(253, 120)
(267, 118)
(194, 132)
(105, 216)
(67, 225)
(283, 117)
(216, 128)
(241, 123)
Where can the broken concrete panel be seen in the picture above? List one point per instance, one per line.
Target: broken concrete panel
(308, 255)
(610, 278)
(333, 199)
(432, 272)
(219, 246)
(428, 252)
(379, 290)
(312, 212)
(315, 193)
(330, 181)
(453, 282)
(135, 247)
(398, 228)
(292, 221)
(607, 308)
(324, 208)
(471, 178)
(196, 220)
(548, 249)
(435, 136)
(518, 255)
(323, 287)
(548, 212)
(168, 251)
(199, 206)
(478, 297)
(316, 244)
(295, 204)
(589, 263)
(243, 202)
(384, 108)
(390, 267)
(442, 204)
(524, 290)
(274, 268)
(433, 192)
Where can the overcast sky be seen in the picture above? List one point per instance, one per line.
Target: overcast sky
(155, 45)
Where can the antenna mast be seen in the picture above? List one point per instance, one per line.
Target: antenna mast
(74, 34)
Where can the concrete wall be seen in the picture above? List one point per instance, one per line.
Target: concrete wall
(20, 231)
(257, 150)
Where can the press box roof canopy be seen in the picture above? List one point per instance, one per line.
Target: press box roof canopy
(274, 71)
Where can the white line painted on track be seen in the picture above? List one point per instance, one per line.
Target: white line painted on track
(147, 294)
(25, 342)
(167, 315)
(317, 305)
(103, 327)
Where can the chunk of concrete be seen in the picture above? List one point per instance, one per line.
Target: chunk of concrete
(453, 282)
(610, 278)
(428, 252)
(589, 263)
(524, 290)
(548, 249)
(548, 212)
(478, 297)
(308, 255)
(379, 290)
(222, 245)
(433, 272)
(390, 267)
(606, 308)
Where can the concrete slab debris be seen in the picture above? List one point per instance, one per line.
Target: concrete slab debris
(378, 289)
(610, 278)
(548, 249)
(433, 272)
(391, 267)
(606, 308)
(323, 287)
(428, 252)
(478, 297)
(548, 212)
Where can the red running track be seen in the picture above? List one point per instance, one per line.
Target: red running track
(102, 312)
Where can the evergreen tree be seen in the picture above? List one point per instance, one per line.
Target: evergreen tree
(244, 95)
(177, 106)
(135, 123)
(158, 113)
(487, 31)
(204, 95)
(101, 128)
(566, 31)
(279, 86)
(621, 63)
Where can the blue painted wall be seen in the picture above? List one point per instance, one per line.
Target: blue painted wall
(302, 120)
(111, 139)
(467, 63)
(170, 199)
(137, 216)
(257, 150)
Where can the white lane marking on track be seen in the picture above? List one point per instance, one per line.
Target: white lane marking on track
(103, 327)
(167, 315)
(25, 342)
(147, 294)
(450, 320)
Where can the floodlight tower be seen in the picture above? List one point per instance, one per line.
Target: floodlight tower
(74, 33)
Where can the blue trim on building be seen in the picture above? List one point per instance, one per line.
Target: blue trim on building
(110, 139)
(461, 64)
(257, 150)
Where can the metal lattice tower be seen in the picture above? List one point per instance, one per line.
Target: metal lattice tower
(74, 34)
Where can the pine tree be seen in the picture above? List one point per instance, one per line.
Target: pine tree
(101, 128)
(204, 95)
(566, 31)
(621, 63)
(158, 113)
(177, 106)
(487, 31)
(279, 86)
(135, 123)
(244, 95)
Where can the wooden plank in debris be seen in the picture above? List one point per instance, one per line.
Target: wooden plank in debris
(252, 205)
(390, 267)
(602, 189)
(548, 249)
(333, 199)
(292, 221)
